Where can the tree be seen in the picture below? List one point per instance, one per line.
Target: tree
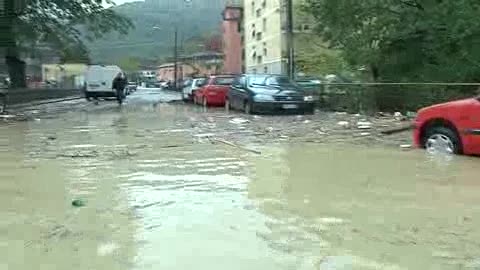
(129, 64)
(63, 24)
(404, 40)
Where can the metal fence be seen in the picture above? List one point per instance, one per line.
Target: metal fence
(390, 97)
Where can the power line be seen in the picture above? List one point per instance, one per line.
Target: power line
(404, 84)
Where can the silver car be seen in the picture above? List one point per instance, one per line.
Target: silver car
(190, 87)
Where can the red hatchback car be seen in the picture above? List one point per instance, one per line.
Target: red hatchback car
(214, 91)
(452, 127)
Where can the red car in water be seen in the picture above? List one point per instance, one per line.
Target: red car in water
(452, 127)
(214, 91)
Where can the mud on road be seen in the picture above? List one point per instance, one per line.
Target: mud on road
(321, 128)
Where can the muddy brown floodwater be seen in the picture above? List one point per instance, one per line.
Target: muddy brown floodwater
(160, 195)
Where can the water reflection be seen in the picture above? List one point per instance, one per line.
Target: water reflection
(344, 208)
(39, 227)
(204, 206)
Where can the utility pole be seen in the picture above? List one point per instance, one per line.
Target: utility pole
(290, 40)
(175, 46)
(175, 59)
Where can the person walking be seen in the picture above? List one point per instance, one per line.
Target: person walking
(119, 84)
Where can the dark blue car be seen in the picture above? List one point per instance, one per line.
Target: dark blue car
(268, 94)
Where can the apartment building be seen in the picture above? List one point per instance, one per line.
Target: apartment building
(265, 36)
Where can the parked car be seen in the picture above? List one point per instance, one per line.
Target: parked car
(310, 85)
(268, 93)
(131, 87)
(163, 84)
(452, 127)
(152, 85)
(214, 90)
(309, 82)
(190, 87)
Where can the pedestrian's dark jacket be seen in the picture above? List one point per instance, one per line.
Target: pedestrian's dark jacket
(119, 83)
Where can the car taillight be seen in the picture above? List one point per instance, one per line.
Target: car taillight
(416, 123)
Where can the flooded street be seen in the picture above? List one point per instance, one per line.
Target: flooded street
(160, 193)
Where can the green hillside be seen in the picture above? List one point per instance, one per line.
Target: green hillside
(144, 42)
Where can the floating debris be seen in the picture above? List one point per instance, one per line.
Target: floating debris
(78, 203)
(406, 146)
(205, 135)
(364, 125)
(239, 121)
(344, 124)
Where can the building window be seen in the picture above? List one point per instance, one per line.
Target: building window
(259, 36)
(264, 3)
(254, 54)
(265, 70)
(259, 13)
(259, 59)
(264, 25)
(253, 7)
(254, 71)
(265, 51)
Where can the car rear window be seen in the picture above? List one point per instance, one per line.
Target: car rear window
(224, 81)
(199, 82)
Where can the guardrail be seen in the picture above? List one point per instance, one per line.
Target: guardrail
(389, 97)
(18, 96)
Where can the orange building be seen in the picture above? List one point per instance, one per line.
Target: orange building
(232, 39)
(195, 65)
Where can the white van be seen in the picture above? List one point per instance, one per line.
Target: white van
(99, 81)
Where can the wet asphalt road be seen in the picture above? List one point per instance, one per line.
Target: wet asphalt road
(161, 192)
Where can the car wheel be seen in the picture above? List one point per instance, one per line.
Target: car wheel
(442, 140)
(184, 98)
(248, 107)
(310, 110)
(228, 107)
(88, 97)
(190, 98)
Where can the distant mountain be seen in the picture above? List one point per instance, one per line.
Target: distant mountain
(194, 19)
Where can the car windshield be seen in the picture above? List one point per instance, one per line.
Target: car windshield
(223, 81)
(280, 81)
(257, 80)
(199, 82)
